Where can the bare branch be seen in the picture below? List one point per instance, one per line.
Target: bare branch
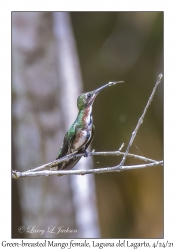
(140, 121)
(107, 153)
(18, 175)
(118, 168)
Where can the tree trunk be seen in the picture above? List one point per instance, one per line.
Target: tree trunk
(46, 82)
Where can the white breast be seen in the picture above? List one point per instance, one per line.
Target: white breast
(82, 139)
(83, 135)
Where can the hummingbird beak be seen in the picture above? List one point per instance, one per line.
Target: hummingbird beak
(95, 92)
(105, 86)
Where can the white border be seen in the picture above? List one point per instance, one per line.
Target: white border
(5, 93)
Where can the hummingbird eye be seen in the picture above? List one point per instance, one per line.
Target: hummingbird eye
(88, 95)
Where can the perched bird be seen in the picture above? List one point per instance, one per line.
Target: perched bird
(80, 134)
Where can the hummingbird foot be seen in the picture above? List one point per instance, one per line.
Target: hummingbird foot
(86, 154)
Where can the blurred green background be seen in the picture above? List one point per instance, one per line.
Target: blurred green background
(109, 46)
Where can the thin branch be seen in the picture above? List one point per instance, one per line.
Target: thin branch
(107, 153)
(140, 121)
(118, 168)
(18, 175)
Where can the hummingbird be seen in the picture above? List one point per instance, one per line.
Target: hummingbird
(81, 133)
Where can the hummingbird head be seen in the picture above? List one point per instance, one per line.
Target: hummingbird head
(87, 99)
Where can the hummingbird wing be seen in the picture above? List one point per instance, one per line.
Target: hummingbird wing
(72, 162)
(65, 149)
(67, 142)
(66, 146)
